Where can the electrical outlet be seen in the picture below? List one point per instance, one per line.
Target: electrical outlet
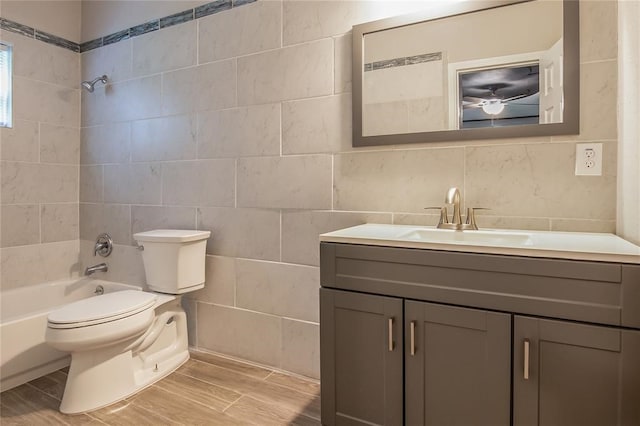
(589, 159)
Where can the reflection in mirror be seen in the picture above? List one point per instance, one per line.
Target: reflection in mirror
(454, 77)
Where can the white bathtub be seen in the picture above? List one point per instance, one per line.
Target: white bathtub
(24, 355)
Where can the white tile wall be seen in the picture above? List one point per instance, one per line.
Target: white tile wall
(252, 141)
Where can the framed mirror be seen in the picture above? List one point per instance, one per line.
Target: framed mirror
(467, 70)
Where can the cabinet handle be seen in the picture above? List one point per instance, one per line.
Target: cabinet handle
(391, 334)
(526, 359)
(413, 337)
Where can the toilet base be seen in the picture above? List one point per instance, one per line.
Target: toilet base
(103, 376)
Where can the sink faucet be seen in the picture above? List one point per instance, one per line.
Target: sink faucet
(453, 197)
(100, 267)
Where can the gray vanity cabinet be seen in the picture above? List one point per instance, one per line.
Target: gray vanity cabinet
(568, 373)
(361, 359)
(456, 365)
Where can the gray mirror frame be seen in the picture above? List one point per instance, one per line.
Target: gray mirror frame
(571, 77)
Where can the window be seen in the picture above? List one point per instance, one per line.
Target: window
(5, 85)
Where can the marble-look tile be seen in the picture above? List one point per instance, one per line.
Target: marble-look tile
(59, 144)
(133, 99)
(220, 281)
(239, 132)
(240, 31)
(247, 233)
(113, 60)
(93, 107)
(146, 218)
(538, 181)
(44, 62)
(417, 219)
(165, 50)
(278, 289)
(204, 183)
(55, 261)
(297, 182)
(91, 184)
(109, 143)
(396, 181)
(343, 57)
(49, 103)
(317, 125)
(59, 222)
(138, 183)
(114, 219)
(583, 225)
(301, 347)
(300, 231)
(125, 263)
(21, 142)
(497, 222)
(205, 87)
(598, 35)
(385, 118)
(162, 139)
(20, 225)
(57, 41)
(220, 327)
(300, 71)
(38, 183)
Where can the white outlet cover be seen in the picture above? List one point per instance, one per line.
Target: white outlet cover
(589, 159)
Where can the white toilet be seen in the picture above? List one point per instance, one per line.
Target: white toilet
(124, 341)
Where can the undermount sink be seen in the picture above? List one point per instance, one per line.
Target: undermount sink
(482, 237)
(567, 245)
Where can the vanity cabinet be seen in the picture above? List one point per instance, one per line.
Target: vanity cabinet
(427, 337)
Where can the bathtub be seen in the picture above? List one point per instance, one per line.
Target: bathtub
(24, 355)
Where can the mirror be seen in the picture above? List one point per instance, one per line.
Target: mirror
(467, 70)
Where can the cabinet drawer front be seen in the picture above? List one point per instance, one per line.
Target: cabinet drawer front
(459, 370)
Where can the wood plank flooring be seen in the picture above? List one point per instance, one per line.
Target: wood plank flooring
(207, 390)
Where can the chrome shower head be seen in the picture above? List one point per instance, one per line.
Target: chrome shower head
(89, 84)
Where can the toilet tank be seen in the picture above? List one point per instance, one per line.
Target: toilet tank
(173, 259)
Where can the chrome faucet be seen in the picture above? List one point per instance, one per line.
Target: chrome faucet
(100, 267)
(453, 197)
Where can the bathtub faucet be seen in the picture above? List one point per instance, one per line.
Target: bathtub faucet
(95, 268)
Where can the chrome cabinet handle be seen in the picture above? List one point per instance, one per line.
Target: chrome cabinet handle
(526, 359)
(413, 337)
(391, 334)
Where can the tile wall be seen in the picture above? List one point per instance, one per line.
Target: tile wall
(240, 123)
(40, 166)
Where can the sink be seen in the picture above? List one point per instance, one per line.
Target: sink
(478, 237)
(566, 245)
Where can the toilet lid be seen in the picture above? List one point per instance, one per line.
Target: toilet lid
(100, 309)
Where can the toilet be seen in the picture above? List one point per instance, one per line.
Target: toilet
(124, 341)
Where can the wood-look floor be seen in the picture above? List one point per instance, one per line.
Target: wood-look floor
(206, 390)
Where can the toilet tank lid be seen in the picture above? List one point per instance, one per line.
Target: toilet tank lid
(172, 235)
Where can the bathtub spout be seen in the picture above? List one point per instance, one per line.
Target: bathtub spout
(95, 268)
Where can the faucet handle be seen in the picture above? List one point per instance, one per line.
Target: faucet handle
(443, 214)
(470, 222)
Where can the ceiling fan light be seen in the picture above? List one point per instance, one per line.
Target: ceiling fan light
(493, 107)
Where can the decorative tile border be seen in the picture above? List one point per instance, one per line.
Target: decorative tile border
(138, 30)
(167, 21)
(400, 62)
(27, 31)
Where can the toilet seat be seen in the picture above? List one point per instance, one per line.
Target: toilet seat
(101, 309)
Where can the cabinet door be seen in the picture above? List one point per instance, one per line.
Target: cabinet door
(457, 366)
(575, 374)
(361, 359)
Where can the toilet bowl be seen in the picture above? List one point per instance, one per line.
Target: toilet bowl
(124, 341)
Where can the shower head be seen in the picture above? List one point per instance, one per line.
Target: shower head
(89, 84)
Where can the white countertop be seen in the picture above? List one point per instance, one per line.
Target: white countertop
(559, 245)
